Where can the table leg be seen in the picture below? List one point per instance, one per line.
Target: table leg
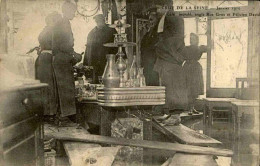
(238, 134)
(205, 114)
(105, 121)
(204, 118)
(210, 123)
(147, 135)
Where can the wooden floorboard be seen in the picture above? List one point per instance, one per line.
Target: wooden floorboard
(140, 143)
(185, 135)
(182, 159)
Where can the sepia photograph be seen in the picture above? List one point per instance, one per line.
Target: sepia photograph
(129, 82)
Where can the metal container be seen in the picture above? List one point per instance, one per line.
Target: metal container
(111, 77)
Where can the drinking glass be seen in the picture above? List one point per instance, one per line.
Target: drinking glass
(100, 79)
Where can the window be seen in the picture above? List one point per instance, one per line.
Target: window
(229, 52)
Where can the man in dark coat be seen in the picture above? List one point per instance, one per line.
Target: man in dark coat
(95, 54)
(64, 59)
(43, 65)
(169, 65)
(148, 52)
(193, 70)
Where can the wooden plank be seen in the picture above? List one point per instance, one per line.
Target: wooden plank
(140, 143)
(246, 103)
(181, 159)
(164, 132)
(183, 134)
(78, 151)
(185, 115)
(221, 99)
(81, 154)
(51, 129)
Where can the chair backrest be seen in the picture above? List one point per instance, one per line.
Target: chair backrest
(247, 89)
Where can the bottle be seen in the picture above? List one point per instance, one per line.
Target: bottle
(133, 69)
(126, 73)
(141, 77)
(80, 85)
(111, 77)
(81, 81)
(133, 73)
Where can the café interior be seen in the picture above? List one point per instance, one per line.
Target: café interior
(120, 119)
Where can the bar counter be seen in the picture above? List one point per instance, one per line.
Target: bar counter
(110, 103)
(116, 97)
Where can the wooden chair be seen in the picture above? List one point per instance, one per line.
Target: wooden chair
(247, 89)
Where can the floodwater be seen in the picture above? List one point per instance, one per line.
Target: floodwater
(245, 147)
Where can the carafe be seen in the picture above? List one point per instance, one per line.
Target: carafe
(111, 77)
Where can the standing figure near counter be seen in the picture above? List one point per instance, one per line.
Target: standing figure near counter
(169, 66)
(193, 71)
(43, 65)
(148, 52)
(95, 54)
(64, 60)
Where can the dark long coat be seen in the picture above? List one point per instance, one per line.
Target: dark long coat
(44, 70)
(169, 63)
(95, 54)
(193, 70)
(63, 43)
(148, 55)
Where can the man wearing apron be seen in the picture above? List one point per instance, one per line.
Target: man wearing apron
(43, 65)
(64, 60)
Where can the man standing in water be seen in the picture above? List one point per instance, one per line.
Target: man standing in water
(95, 54)
(64, 60)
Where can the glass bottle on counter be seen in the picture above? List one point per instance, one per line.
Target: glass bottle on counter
(134, 73)
(126, 73)
(141, 77)
(81, 85)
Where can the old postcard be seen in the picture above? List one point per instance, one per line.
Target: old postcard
(129, 82)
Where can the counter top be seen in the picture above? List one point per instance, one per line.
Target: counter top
(24, 87)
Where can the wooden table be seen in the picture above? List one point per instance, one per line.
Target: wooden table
(245, 115)
(209, 105)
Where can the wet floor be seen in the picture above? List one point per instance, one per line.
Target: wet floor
(245, 147)
(131, 156)
(197, 125)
